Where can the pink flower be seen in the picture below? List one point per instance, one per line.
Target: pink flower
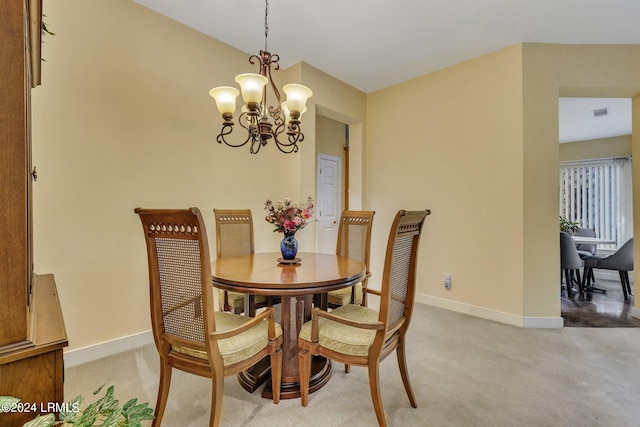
(287, 216)
(290, 225)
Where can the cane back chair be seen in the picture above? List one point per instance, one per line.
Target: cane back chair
(189, 334)
(358, 335)
(234, 237)
(354, 241)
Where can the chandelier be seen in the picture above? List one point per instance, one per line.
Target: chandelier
(280, 123)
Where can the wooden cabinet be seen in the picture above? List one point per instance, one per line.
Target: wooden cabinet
(35, 373)
(32, 333)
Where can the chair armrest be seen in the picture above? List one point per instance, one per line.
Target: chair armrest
(316, 312)
(267, 314)
(374, 292)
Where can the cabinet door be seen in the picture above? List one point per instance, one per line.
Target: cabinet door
(14, 163)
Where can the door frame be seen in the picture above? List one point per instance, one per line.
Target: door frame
(340, 195)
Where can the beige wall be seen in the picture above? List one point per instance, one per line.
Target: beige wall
(330, 136)
(619, 146)
(123, 119)
(451, 141)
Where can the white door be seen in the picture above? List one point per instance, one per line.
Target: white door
(328, 208)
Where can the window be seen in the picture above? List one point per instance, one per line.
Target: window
(597, 195)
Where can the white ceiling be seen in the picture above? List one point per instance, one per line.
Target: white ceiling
(578, 121)
(372, 44)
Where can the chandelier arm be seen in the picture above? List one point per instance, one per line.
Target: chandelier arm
(276, 115)
(227, 128)
(284, 147)
(253, 149)
(275, 60)
(295, 134)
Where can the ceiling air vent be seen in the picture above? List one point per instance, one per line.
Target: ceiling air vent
(600, 112)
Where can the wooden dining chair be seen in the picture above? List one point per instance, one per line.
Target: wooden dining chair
(358, 335)
(354, 241)
(188, 333)
(234, 237)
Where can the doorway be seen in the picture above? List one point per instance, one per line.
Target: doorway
(596, 193)
(328, 207)
(331, 180)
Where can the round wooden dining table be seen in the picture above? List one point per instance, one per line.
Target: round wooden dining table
(296, 285)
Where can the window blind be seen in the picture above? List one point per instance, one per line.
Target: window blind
(591, 194)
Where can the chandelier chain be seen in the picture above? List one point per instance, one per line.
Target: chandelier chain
(266, 23)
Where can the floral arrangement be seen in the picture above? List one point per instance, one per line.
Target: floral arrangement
(286, 216)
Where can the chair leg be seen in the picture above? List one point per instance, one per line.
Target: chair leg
(579, 281)
(163, 392)
(589, 281)
(626, 276)
(276, 374)
(567, 281)
(374, 385)
(304, 363)
(623, 282)
(404, 373)
(347, 368)
(217, 392)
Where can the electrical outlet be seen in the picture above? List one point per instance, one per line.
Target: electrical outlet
(447, 281)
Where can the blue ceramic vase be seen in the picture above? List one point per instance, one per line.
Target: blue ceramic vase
(289, 246)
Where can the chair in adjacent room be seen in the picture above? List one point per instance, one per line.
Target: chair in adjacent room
(621, 260)
(354, 241)
(357, 335)
(570, 263)
(586, 249)
(188, 333)
(234, 237)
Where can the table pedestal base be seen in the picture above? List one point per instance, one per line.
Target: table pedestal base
(260, 374)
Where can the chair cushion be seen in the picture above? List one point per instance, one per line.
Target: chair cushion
(236, 299)
(342, 338)
(592, 261)
(584, 254)
(239, 347)
(343, 296)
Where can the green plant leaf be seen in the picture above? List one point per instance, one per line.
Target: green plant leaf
(40, 421)
(105, 412)
(99, 389)
(73, 407)
(113, 420)
(133, 413)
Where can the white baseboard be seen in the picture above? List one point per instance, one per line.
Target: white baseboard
(635, 312)
(496, 316)
(109, 348)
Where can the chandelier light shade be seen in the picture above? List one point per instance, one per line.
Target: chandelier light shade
(262, 123)
(225, 97)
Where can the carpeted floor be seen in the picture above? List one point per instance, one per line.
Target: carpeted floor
(465, 372)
